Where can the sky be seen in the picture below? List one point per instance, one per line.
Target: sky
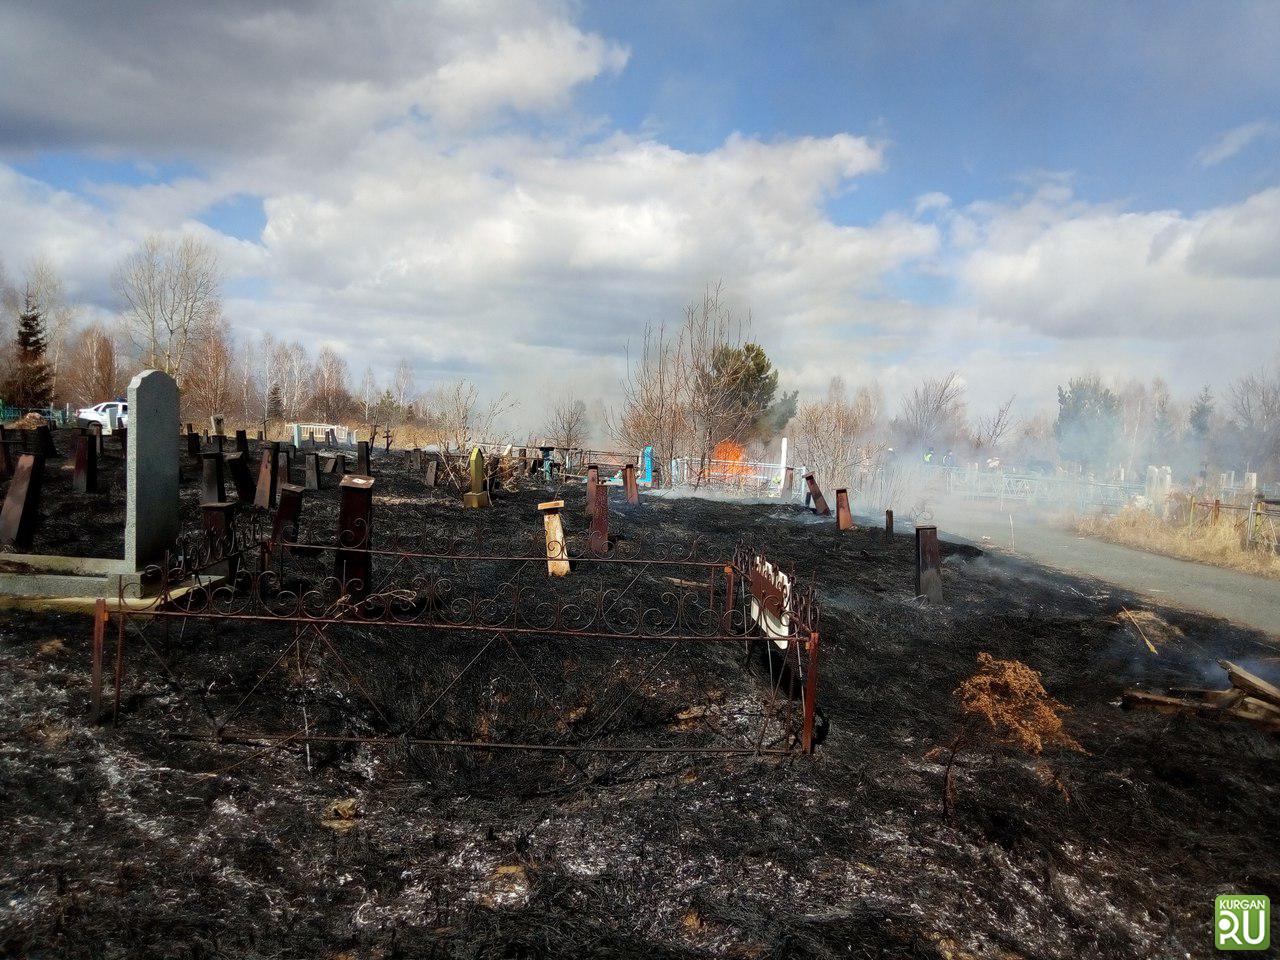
(510, 192)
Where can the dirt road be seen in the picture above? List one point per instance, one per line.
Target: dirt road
(1248, 600)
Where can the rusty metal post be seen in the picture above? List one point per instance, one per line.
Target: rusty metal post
(819, 501)
(810, 691)
(844, 516)
(593, 480)
(600, 520)
(115, 710)
(629, 483)
(99, 638)
(237, 465)
(888, 526)
(22, 503)
(928, 565)
(85, 479)
(353, 565)
(265, 496)
(213, 483)
(557, 549)
(726, 619)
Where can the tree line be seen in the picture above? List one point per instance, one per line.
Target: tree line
(691, 387)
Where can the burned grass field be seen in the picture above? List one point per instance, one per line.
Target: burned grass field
(152, 837)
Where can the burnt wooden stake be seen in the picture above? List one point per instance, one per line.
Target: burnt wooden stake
(432, 467)
(362, 459)
(819, 501)
(593, 481)
(629, 483)
(312, 479)
(888, 526)
(283, 467)
(557, 550)
(788, 482)
(22, 503)
(193, 445)
(353, 565)
(844, 516)
(289, 510)
(238, 466)
(213, 482)
(928, 565)
(44, 442)
(99, 638)
(86, 475)
(265, 496)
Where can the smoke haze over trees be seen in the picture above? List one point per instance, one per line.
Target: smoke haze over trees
(692, 386)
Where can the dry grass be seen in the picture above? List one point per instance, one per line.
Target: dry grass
(1219, 544)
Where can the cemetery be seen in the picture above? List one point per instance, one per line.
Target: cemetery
(528, 697)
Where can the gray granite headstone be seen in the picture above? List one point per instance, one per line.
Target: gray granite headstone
(151, 500)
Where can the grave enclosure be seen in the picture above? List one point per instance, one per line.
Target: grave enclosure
(577, 590)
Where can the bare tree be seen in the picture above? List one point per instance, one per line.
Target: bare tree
(567, 423)
(402, 386)
(368, 392)
(171, 291)
(934, 412)
(992, 430)
(329, 394)
(209, 388)
(689, 391)
(459, 419)
(93, 375)
(836, 436)
(652, 408)
(1255, 407)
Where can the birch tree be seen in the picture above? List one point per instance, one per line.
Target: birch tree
(171, 289)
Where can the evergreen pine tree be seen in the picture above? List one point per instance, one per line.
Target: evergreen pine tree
(1202, 413)
(275, 403)
(31, 382)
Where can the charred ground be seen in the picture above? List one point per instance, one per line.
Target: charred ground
(124, 842)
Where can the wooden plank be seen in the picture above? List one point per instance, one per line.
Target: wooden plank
(1254, 686)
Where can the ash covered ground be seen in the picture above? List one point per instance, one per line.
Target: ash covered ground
(122, 841)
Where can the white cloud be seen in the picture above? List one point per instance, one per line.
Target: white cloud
(308, 78)
(1073, 270)
(1234, 141)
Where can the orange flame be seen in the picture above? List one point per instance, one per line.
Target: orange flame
(729, 461)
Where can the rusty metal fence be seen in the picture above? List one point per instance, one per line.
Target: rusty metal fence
(275, 638)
